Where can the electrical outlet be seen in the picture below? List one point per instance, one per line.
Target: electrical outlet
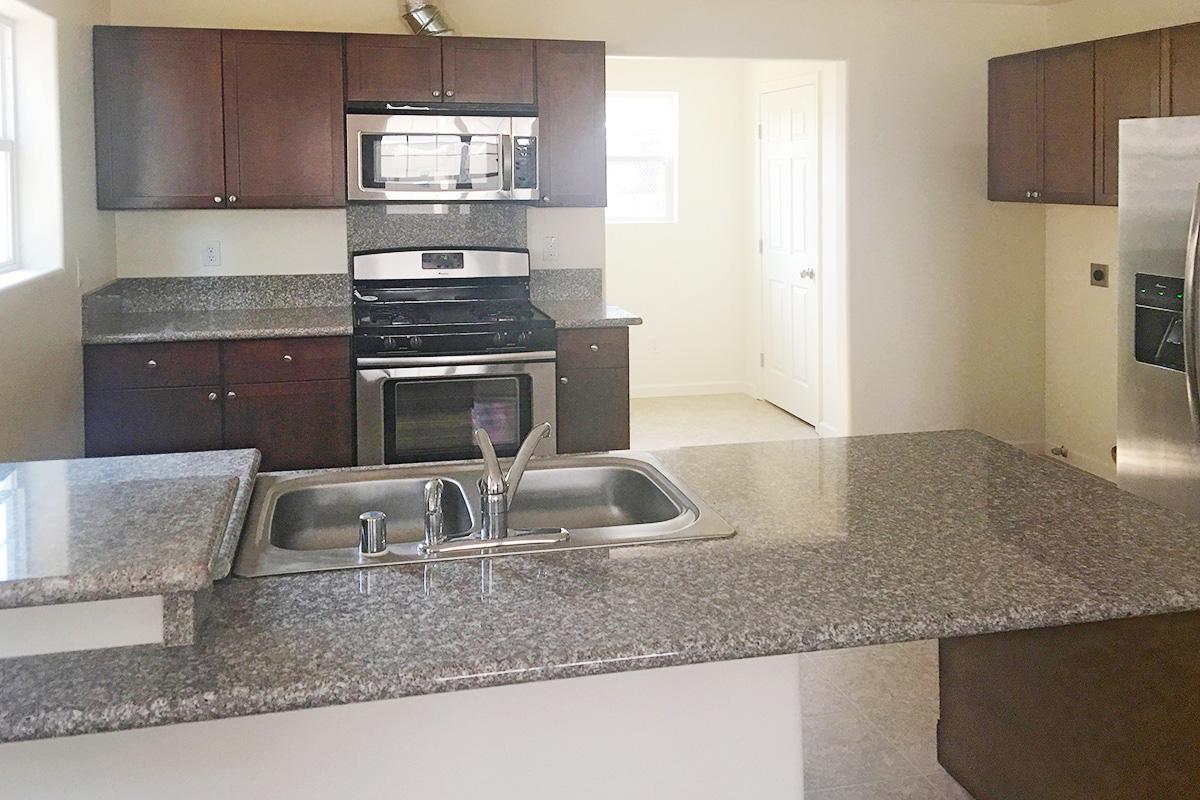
(210, 254)
(550, 249)
(1099, 274)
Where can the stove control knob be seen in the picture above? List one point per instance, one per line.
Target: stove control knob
(498, 339)
(414, 343)
(523, 338)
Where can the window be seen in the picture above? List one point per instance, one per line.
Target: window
(643, 145)
(8, 151)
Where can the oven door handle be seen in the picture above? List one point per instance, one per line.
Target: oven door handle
(452, 361)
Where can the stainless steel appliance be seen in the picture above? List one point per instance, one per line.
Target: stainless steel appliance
(429, 157)
(447, 341)
(1158, 436)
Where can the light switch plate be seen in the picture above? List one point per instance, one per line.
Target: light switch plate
(550, 249)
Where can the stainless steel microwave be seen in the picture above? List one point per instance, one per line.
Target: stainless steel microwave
(440, 158)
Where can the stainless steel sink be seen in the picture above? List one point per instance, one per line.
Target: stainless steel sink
(305, 522)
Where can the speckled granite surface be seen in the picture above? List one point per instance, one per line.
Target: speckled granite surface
(182, 326)
(102, 528)
(220, 292)
(375, 226)
(587, 314)
(566, 285)
(841, 542)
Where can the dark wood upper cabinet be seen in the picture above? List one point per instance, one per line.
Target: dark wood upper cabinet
(284, 120)
(1181, 77)
(1014, 143)
(158, 118)
(1068, 124)
(487, 70)
(572, 162)
(1128, 86)
(380, 68)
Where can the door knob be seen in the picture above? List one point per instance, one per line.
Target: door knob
(216, 198)
(595, 348)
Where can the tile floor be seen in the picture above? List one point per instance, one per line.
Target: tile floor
(870, 713)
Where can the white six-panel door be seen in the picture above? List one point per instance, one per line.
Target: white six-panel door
(790, 218)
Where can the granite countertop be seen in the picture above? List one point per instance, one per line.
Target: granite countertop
(841, 542)
(594, 313)
(124, 327)
(103, 528)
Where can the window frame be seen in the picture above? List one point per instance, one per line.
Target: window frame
(670, 160)
(8, 137)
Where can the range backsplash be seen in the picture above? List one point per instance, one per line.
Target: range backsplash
(369, 226)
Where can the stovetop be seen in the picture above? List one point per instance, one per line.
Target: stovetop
(402, 314)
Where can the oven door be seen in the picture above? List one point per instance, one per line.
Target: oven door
(427, 408)
(435, 158)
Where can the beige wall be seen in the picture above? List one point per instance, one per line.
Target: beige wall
(1081, 320)
(945, 289)
(40, 364)
(686, 278)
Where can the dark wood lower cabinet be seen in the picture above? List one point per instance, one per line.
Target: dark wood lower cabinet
(1108, 710)
(121, 422)
(298, 425)
(289, 398)
(593, 410)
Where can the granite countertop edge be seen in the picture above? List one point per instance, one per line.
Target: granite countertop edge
(226, 334)
(391, 685)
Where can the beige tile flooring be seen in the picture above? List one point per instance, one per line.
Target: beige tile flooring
(660, 423)
(869, 713)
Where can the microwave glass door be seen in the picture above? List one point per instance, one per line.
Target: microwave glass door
(435, 419)
(432, 161)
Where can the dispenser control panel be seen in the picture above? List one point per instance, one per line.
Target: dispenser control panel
(1155, 291)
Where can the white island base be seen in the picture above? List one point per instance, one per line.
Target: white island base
(728, 729)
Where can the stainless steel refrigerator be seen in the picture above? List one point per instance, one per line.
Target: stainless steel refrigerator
(1158, 400)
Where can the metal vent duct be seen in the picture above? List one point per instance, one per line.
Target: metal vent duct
(426, 19)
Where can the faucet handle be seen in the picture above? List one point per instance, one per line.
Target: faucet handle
(493, 481)
(521, 461)
(435, 518)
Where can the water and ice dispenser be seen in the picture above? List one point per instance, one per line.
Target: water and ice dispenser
(1158, 321)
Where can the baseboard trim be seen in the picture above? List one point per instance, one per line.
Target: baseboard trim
(689, 389)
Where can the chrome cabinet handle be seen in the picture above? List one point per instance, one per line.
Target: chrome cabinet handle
(563, 379)
(287, 358)
(152, 364)
(216, 198)
(449, 93)
(233, 198)
(231, 395)
(212, 395)
(1191, 284)
(545, 198)
(595, 348)
(437, 92)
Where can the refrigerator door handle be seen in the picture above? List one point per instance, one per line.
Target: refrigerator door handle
(1190, 306)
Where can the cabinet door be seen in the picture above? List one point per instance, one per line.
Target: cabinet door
(1068, 124)
(1128, 86)
(298, 425)
(572, 165)
(381, 67)
(284, 120)
(593, 410)
(121, 422)
(1182, 80)
(158, 118)
(1014, 125)
(487, 70)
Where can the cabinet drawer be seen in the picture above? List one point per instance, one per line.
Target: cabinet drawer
(274, 360)
(592, 348)
(148, 366)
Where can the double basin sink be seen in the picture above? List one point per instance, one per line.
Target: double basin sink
(306, 522)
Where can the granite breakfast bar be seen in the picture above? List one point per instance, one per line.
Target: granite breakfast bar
(840, 543)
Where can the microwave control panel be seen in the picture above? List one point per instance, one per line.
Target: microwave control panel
(524, 162)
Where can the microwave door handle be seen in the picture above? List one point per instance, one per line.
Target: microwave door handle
(507, 157)
(1191, 304)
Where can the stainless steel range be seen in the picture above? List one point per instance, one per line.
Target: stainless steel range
(446, 342)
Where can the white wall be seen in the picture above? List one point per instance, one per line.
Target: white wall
(945, 289)
(686, 278)
(40, 356)
(1081, 320)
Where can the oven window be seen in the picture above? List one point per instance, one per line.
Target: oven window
(435, 419)
(431, 162)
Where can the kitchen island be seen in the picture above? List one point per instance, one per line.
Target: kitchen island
(840, 543)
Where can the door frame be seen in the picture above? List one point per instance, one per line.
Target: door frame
(829, 79)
